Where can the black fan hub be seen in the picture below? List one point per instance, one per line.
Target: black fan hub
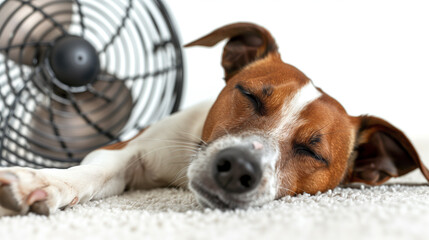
(74, 61)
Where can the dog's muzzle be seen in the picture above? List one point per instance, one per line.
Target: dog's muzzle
(234, 172)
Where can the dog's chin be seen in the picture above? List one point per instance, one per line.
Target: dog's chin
(208, 199)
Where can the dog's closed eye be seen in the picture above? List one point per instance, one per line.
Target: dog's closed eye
(257, 103)
(302, 149)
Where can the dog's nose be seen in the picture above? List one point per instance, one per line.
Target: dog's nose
(236, 170)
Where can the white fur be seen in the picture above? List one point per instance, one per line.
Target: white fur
(292, 109)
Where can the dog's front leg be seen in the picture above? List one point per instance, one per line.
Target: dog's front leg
(43, 191)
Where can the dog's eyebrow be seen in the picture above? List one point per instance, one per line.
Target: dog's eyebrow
(315, 139)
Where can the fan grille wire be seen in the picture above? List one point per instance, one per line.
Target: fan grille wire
(136, 43)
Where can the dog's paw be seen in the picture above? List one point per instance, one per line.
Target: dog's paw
(24, 190)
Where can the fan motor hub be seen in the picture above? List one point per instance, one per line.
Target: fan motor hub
(74, 61)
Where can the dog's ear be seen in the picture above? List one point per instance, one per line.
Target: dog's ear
(382, 151)
(247, 42)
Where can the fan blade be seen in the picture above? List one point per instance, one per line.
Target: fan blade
(24, 26)
(89, 122)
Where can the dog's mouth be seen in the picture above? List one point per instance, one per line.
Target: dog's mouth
(210, 199)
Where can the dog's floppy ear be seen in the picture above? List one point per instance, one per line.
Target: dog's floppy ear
(247, 42)
(381, 152)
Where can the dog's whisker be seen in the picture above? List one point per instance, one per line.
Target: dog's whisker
(180, 172)
(226, 131)
(177, 178)
(142, 157)
(289, 190)
(325, 126)
(287, 180)
(192, 135)
(168, 140)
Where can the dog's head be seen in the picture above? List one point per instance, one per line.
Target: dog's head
(272, 132)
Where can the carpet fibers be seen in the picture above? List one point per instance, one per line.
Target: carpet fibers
(393, 211)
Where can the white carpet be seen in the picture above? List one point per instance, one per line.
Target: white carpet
(385, 212)
(392, 212)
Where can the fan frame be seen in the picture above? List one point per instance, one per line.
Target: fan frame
(176, 94)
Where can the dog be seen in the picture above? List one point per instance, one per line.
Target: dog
(270, 133)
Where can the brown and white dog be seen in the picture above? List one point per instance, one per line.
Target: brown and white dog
(270, 133)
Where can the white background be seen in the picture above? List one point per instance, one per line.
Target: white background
(372, 56)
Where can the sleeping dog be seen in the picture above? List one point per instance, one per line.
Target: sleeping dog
(271, 132)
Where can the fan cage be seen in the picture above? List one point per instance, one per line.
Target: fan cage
(137, 45)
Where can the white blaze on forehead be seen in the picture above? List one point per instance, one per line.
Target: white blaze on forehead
(293, 107)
